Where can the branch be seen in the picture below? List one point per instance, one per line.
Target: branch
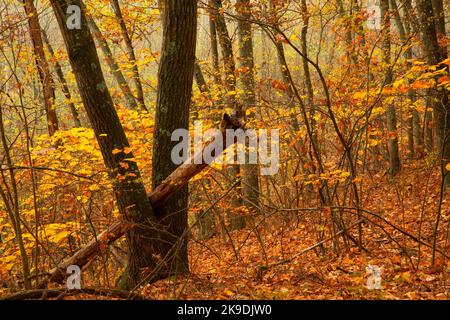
(64, 292)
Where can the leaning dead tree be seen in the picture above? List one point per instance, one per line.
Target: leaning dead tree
(179, 178)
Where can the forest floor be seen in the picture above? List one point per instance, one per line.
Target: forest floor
(272, 264)
(409, 203)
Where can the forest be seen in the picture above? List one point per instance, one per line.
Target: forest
(225, 149)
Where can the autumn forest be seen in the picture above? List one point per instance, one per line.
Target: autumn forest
(225, 149)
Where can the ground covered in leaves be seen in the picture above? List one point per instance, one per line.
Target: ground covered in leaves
(252, 270)
(281, 260)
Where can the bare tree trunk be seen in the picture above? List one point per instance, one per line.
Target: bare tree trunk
(439, 96)
(214, 45)
(307, 73)
(131, 55)
(439, 20)
(394, 158)
(200, 78)
(404, 31)
(63, 82)
(351, 55)
(250, 176)
(236, 220)
(113, 66)
(227, 52)
(411, 29)
(283, 68)
(42, 66)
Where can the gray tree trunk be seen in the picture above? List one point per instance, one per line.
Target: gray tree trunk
(250, 174)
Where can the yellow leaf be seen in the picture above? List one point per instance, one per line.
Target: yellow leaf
(94, 187)
(228, 293)
(447, 167)
(59, 236)
(398, 83)
(359, 95)
(403, 277)
(116, 151)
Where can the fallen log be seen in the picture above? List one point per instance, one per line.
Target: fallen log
(158, 197)
(60, 293)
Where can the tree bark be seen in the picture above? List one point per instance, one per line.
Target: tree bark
(283, 67)
(42, 66)
(227, 52)
(439, 99)
(214, 45)
(439, 20)
(394, 157)
(63, 82)
(131, 55)
(404, 31)
(307, 73)
(129, 190)
(200, 78)
(250, 176)
(237, 221)
(175, 79)
(113, 66)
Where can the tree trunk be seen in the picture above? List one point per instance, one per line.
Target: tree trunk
(439, 99)
(131, 55)
(11, 204)
(113, 66)
(351, 55)
(200, 78)
(42, 66)
(439, 20)
(283, 68)
(214, 46)
(130, 193)
(63, 82)
(404, 31)
(237, 221)
(250, 176)
(307, 73)
(227, 52)
(175, 79)
(394, 158)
